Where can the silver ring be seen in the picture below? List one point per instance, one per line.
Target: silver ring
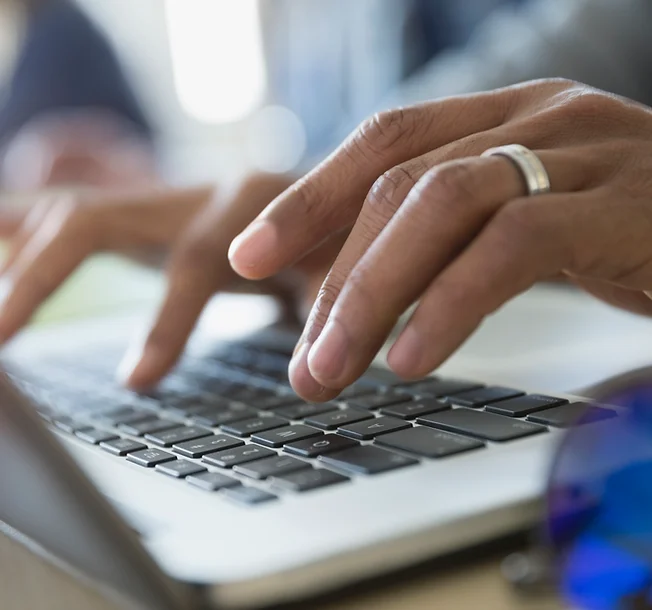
(533, 171)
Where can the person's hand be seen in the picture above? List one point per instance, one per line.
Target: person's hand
(436, 224)
(194, 227)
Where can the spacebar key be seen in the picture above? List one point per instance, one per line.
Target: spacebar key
(366, 460)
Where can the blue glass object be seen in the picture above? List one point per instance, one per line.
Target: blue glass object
(599, 500)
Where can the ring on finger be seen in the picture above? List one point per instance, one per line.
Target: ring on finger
(529, 165)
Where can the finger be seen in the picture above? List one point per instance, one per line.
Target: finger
(330, 197)
(198, 268)
(32, 219)
(443, 213)
(635, 301)
(528, 240)
(384, 199)
(55, 250)
(193, 278)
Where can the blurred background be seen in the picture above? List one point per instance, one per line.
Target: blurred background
(108, 93)
(224, 86)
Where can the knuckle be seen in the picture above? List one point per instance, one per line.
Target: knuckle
(591, 104)
(383, 131)
(452, 185)
(587, 108)
(390, 190)
(324, 303)
(312, 203)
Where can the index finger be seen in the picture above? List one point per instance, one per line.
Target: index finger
(198, 268)
(330, 197)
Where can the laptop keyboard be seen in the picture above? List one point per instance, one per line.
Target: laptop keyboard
(230, 423)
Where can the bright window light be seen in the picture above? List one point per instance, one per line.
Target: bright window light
(217, 57)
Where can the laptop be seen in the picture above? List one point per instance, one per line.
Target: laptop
(222, 489)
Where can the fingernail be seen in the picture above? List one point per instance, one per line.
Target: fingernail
(407, 353)
(302, 381)
(252, 246)
(328, 356)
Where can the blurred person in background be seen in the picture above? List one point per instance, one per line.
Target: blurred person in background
(603, 42)
(68, 113)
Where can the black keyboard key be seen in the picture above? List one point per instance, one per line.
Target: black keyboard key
(202, 446)
(123, 415)
(367, 430)
(271, 467)
(427, 442)
(479, 424)
(249, 495)
(167, 438)
(150, 457)
(238, 455)
(376, 401)
(147, 426)
(69, 424)
(180, 469)
(484, 396)
(356, 391)
(367, 460)
(264, 403)
(569, 415)
(219, 417)
(335, 419)
(248, 427)
(122, 446)
(283, 436)
(382, 379)
(303, 410)
(307, 480)
(314, 447)
(438, 388)
(212, 481)
(412, 410)
(525, 405)
(95, 436)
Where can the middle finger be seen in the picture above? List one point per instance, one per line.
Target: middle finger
(442, 214)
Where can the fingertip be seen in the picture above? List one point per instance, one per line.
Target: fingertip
(405, 357)
(141, 368)
(303, 383)
(251, 250)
